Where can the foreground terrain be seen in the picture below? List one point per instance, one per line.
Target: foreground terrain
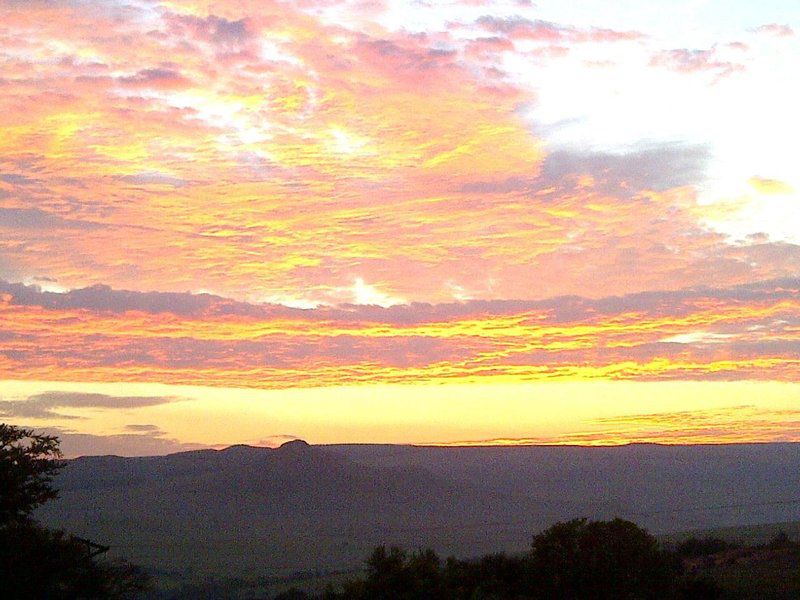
(251, 512)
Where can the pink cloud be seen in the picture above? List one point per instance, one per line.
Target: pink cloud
(775, 29)
(546, 31)
(159, 78)
(744, 332)
(683, 60)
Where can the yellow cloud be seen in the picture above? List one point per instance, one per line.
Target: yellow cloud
(770, 186)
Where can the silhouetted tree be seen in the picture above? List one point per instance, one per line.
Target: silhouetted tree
(393, 574)
(780, 540)
(396, 575)
(694, 547)
(491, 576)
(292, 594)
(28, 463)
(575, 560)
(601, 559)
(699, 589)
(36, 562)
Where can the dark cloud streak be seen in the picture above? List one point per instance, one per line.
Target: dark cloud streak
(47, 404)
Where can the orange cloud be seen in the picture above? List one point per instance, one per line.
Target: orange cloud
(735, 424)
(265, 153)
(97, 334)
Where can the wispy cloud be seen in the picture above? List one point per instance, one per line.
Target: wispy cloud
(745, 423)
(49, 405)
(777, 29)
(685, 60)
(517, 27)
(138, 442)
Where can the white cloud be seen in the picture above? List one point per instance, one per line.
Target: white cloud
(363, 293)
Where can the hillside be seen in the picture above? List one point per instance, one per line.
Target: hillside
(247, 511)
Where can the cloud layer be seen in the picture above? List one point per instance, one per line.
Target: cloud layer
(138, 443)
(313, 194)
(728, 425)
(284, 152)
(98, 334)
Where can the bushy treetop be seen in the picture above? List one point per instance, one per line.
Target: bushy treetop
(28, 462)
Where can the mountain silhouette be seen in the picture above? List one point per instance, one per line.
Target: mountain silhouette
(254, 511)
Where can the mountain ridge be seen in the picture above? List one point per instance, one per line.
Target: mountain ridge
(259, 510)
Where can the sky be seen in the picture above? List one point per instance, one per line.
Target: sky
(433, 222)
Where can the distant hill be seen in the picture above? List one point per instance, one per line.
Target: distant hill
(247, 511)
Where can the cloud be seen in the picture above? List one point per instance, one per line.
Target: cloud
(158, 78)
(144, 428)
(153, 178)
(274, 441)
(15, 179)
(517, 27)
(683, 60)
(47, 405)
(739, 332)
(33, 218)
(283, 153)
(104, 298)
(218, 29)
(223, 36)
(770, 186)
(145, 443)
(655, 167)
(734, 424)
(646, 167)
(775, 29)
(364, 293)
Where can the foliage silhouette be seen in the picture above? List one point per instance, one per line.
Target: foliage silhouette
(40, 563)
(28, 463)
(694, 547)
(601, 559)
(36, 562)
(575, 560)
(394, 574)
(292, 594)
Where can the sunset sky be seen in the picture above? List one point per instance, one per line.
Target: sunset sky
(244, 221)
